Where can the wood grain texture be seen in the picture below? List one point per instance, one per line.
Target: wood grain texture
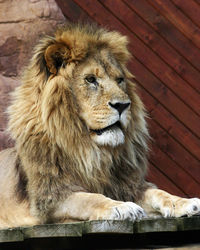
(167, 30)
(178, 19)
(148, 26)
(175, 151)
(78, 229)
(190, 9)
(164, 40)
(162, 180)
(168, 122)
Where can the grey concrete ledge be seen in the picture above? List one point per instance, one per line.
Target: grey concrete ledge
(79, 229)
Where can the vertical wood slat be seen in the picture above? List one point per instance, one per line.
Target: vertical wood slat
(173, 149)
(167, 30)
(176, 175)
(164, 96)
(182, 22)
(174, 128)
(73, 12)
(190, 8)
(162, 182)
(183, 133)
(161, 46)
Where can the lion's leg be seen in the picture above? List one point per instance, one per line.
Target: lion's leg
(14, 214)
(160, 202)
(90, 206)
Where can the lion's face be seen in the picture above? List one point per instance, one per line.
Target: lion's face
(92, 65)
(99, 86)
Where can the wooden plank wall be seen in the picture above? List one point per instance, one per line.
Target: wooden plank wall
(165, 43)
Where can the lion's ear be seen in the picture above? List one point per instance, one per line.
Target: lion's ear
(55, 55)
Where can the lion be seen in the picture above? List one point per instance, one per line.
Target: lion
(81, 138)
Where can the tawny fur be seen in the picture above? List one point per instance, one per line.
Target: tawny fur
(59, 165)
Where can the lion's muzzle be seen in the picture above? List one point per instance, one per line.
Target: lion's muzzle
(119, 106)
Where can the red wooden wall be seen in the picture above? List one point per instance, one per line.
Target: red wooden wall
(165, 43)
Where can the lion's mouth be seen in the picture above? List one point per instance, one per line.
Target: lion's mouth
(110, 127)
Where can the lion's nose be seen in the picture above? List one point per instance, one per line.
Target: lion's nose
(119, 106)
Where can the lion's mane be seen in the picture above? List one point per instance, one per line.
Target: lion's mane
(52, 145)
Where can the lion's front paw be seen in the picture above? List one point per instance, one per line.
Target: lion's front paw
(187, 207)
(181, 207)
(128, 210)
(121, 211)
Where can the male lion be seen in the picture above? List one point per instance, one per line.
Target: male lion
(81, 137)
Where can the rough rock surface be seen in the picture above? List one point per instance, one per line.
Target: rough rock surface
(22, 23)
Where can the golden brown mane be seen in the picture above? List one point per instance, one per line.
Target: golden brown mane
(46, 121)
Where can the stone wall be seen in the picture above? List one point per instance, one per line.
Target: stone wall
(22, 23)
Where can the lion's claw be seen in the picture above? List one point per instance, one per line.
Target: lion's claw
(127, 210)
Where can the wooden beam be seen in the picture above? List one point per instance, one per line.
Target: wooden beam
(106, 234)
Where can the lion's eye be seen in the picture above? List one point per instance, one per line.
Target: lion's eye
(119, 80)
(91, 79)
